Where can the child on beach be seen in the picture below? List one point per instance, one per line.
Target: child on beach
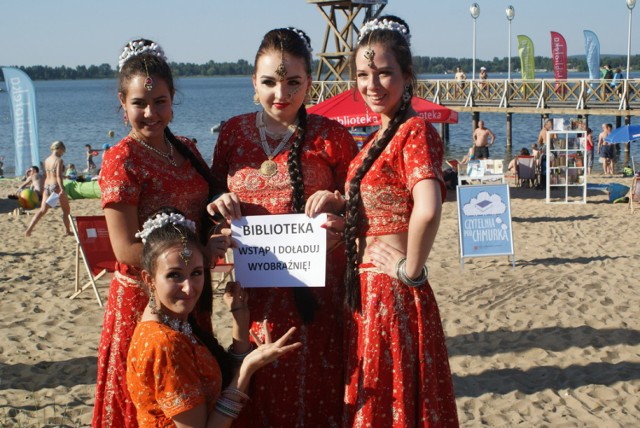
(91, 166)
(71, 173)
(178, 373)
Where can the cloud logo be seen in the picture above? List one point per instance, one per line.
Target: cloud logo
(485, 204)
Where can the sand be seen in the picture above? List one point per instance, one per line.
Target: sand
(553, 342)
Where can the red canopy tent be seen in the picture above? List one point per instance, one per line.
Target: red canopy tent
(350, 110)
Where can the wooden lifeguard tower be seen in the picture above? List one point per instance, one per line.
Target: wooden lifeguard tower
(342, 28)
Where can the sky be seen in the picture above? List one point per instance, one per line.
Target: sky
(92, 32)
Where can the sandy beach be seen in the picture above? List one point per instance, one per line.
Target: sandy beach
(554, 342)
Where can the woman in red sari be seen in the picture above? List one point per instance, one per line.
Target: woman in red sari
(397, 368)
(281, 161)
(148, 169)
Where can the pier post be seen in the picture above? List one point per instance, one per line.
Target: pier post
(627, 145)
(444, 133)
(509, 117)
(475, 117)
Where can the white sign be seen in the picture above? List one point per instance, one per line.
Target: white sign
(287, 250)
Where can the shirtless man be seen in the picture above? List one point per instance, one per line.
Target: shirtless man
(482, 139)
(605, 149)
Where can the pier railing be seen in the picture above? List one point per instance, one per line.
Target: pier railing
(571, 96)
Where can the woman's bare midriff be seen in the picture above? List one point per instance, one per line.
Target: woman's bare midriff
(397, 240)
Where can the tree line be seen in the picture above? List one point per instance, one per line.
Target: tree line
(422, 65)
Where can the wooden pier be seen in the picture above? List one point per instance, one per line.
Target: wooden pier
(546, 97)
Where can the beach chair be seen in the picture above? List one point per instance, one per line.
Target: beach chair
(94, 249)
(634, 192)
(526, 170)
(222, 271)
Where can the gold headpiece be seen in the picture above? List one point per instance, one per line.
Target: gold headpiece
(281, 71)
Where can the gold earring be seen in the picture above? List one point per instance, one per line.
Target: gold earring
(256, 99)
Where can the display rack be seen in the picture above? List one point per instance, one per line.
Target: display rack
(566, 169)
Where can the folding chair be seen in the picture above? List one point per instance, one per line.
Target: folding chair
(526, 170)
(223, 269)
(94, 248)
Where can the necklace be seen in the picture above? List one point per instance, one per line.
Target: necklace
(178, 325)
(167, 156)
(269, 168)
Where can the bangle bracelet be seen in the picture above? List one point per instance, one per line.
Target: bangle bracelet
(401, 273)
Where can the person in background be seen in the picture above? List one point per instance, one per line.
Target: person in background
(33, 180)
(606, 150)
(512, 164)
(53, 187)
(71, 173)
(398, 371)
(460, 78)
(178, 374)
(90, 153)
(616, 81)
(483, 138)
(148, 169)
(589, 146)
(280, 160)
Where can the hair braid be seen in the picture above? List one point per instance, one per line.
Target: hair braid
(294, 163)
(305, 302)
(354, 202)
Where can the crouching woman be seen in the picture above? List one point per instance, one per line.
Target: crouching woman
(178, 374)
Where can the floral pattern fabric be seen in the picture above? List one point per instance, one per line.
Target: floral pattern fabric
(398, 371)
(415, 153)
(167, 374)
(132, 176)
(303, 388)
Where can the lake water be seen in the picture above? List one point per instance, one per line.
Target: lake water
(84, 111)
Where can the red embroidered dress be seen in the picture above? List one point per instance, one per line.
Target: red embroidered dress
(303, 388)
(397, 369)
(131, 175)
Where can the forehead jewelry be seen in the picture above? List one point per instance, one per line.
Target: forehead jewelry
(369, 54)
(281, 71)
(148, 82)
(185, 254)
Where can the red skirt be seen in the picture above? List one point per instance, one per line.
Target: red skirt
(113, 406)
(398, 371)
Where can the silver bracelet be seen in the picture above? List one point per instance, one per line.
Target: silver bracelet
(401, 273)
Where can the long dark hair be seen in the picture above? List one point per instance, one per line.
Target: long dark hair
(295, 43)
(396, 43)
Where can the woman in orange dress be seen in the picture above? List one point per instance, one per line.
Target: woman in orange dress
(175, 373)
(397, 369)
(281, 161)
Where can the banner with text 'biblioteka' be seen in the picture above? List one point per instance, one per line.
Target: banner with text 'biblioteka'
(559, 56)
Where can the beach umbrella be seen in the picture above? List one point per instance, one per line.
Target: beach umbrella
(624, 134)
(350, 110)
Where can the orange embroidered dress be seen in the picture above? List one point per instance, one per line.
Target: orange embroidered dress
(397, 367)
(132, 176)
(303, 388)
(167, 374)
